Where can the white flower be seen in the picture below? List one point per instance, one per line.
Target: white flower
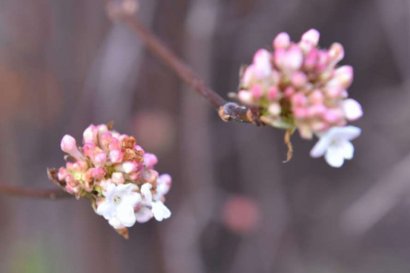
(158, 209)
(118, 205)
(335, 145)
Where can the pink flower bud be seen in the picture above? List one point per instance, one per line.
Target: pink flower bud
(334, 91)
(289, 91)
(333, 116)
(311, 36)
(343, 76)
(134, 176)
(316, 97)
(99, 159)
(279, 56)
(311, 59)
(289, 60)
(139, 149)
(336, 53)
(299, 99)
(300, 112)
(262, 63)
(164, 183)
(69, 146)
(294, 58)
(150, 160)
(116, 156)
(273, 93)
(62, 174)
(248, 76)
(102, 128)
(323, 61)
(88, 149)
(317, 110)
(105, 139)
(282, 40)
(97, 173)
(90, 134)
(257, 92)
(149, 175)
(299, 79)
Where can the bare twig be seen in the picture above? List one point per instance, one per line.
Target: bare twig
(227, 111)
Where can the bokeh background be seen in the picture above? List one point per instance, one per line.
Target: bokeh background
(236, 207)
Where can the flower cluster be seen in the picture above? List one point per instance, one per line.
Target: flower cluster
(117, 176)
(299, 86)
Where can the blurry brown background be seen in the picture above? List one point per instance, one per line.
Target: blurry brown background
(236, 207)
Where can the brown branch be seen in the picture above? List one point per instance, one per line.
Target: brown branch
(19, 191)
(124, 12)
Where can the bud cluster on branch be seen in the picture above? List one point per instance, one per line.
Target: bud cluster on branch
(116, 175)
(299, 86)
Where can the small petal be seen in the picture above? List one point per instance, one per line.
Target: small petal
(146, 192)
(352, 109)
(334, 157)
(320, 148)
(347, 149)
(143, 215)
(126, 215)
(348, 132)
(160, 211)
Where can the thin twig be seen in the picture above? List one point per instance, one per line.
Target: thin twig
(120, 12)
(19, 191)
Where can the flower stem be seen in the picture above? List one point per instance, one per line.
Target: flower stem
(118, 12)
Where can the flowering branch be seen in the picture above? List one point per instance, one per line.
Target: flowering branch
(125, 12)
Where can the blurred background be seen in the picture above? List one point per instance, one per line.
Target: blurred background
(236, 207)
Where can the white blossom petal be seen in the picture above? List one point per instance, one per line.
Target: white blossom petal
(126, 215)
(334, 157)
(143, 215)
(320, 148)
(115, 223)
(347, 149)
(146, 192)
(347, 133)
(106, 210)
(160, 211)
(352, 109)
